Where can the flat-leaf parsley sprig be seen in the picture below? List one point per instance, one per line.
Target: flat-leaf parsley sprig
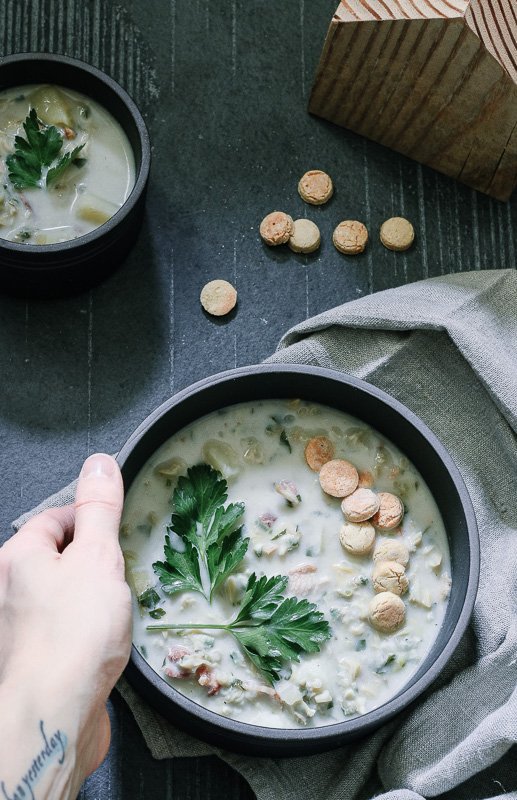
(268, 626)
(213, 546)
(40, 149)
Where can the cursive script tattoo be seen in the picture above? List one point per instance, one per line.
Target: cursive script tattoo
(53, 748)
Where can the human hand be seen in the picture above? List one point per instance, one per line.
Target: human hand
(65, 634)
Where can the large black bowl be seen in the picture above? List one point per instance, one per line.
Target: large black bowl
(415, 440)
(59, 269)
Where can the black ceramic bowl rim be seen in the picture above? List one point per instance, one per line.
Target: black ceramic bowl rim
(234, 733)
(143, 171)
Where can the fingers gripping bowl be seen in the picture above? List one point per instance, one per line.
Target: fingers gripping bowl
(384, 554)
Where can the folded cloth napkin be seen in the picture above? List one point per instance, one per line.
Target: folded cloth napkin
(446, 348)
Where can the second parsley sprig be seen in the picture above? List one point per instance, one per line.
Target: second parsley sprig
(270, 627)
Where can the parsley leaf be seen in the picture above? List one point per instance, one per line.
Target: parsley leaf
(298, 625)
(63, 163)
(255, 643)
(149, 598)
(285, 441)
(391, 658)
(180, 572)
(222, 559)
(45, 143)
(208, 532)
(32, 154)
(262, 597)
(196, 499)
(23, 171)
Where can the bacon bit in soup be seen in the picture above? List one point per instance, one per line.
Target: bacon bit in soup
(173, 669)
(267, 519)
(206, 678)
(175, 653)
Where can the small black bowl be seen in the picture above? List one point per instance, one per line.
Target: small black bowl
(416, 441)
(60, 269)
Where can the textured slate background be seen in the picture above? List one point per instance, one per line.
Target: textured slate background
(223, 86)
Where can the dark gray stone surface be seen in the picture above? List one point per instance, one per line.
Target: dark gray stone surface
(223, 86)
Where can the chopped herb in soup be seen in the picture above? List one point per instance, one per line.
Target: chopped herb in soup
(289, 566)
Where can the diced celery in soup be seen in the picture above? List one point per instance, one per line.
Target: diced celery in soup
(97, 178)
(359, 574)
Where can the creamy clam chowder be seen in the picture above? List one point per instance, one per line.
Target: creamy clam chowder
(80, 170)
(381, 581)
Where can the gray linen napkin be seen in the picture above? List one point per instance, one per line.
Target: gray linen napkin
(446, 348)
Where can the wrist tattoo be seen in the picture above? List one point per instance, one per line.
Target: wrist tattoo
(53, 748)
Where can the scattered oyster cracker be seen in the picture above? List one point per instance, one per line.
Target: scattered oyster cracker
(218, 297)
(276, 228)
(306, 236)
(315, 187)
(397, 233)
(350, 237)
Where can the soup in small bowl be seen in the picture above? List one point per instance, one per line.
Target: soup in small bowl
(66, 165)
(74, 166)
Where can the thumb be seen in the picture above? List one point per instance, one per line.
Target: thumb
(98, 505)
